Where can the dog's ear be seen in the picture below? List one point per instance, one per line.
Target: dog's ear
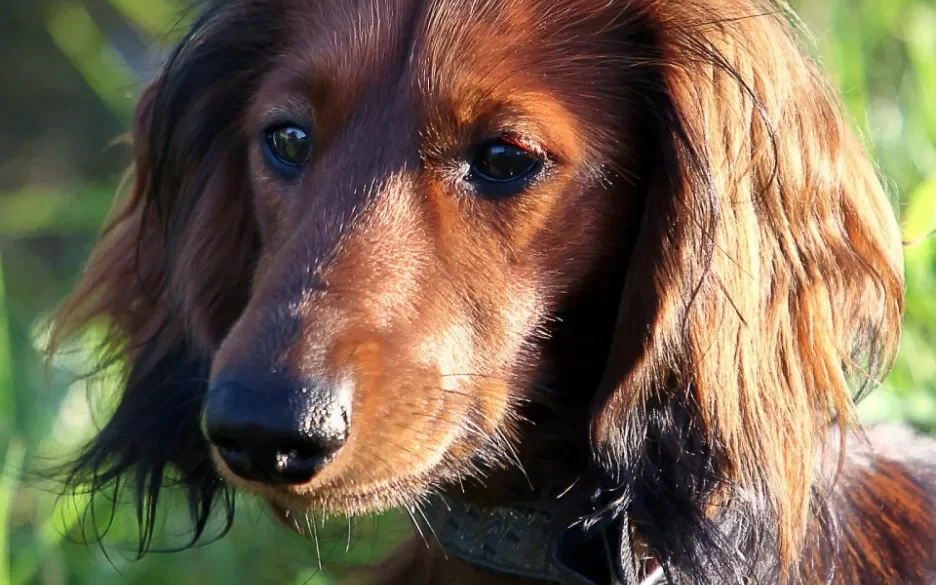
(153, 431)
(171, 272)
(765, 279)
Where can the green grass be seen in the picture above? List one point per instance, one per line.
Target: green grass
(881, 54)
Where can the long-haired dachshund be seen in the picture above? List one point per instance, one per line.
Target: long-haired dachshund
(589, 287)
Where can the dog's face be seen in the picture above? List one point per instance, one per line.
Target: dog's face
(429, 179)
(367, 238)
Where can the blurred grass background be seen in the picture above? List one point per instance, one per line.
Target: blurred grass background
(71, 70)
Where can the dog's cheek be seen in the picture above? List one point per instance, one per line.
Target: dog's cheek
(513, 339)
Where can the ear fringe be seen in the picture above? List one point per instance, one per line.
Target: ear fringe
(152, 441)
(769, 259)
(152, 438)
(155, 424)
(170, 273)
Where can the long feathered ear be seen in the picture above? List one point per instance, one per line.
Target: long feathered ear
(153, 431)
(765, 281)
(171, 272)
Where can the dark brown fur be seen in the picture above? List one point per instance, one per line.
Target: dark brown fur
(675, 316)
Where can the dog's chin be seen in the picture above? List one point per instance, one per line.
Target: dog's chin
(335, 497)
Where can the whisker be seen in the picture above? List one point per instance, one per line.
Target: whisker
(431, 528)
(318, 550)
(416, 525)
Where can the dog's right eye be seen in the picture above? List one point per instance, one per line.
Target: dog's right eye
(287, 149)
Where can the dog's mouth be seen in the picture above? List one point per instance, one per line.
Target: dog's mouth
(361, 479)
(356, 444)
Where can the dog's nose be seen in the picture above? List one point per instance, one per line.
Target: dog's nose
(274, 429)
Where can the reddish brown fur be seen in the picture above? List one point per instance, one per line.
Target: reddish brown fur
(709, 264)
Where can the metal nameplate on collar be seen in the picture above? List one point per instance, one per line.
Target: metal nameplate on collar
(515, 540)
(521, 540)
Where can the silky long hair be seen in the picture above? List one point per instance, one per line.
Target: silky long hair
(767, 287)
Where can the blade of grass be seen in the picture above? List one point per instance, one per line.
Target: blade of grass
(9, 480)
(156, 18)
(7, 396)
(79, 38)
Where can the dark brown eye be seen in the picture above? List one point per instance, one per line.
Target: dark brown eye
(290, 147)
(499, 161)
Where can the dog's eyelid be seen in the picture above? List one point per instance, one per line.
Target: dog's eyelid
(278, 120)
(531, 145)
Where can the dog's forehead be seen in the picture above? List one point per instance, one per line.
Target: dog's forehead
(435, 43)
(400, 25)
(446, 68)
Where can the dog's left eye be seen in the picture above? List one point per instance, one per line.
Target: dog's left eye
(288, 148)
(503, 167)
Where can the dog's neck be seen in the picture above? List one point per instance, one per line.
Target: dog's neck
(524, 520)
(529, 541)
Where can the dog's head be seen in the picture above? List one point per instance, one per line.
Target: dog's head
(367, 237)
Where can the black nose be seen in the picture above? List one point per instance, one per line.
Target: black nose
(274, 429)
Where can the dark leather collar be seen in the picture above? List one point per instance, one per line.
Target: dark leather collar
(526, 540)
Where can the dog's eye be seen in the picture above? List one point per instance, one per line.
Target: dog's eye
(500, 165)
(289, 148)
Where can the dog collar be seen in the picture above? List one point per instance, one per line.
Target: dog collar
(525, 541)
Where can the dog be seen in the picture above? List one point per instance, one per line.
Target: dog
(589, 287)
